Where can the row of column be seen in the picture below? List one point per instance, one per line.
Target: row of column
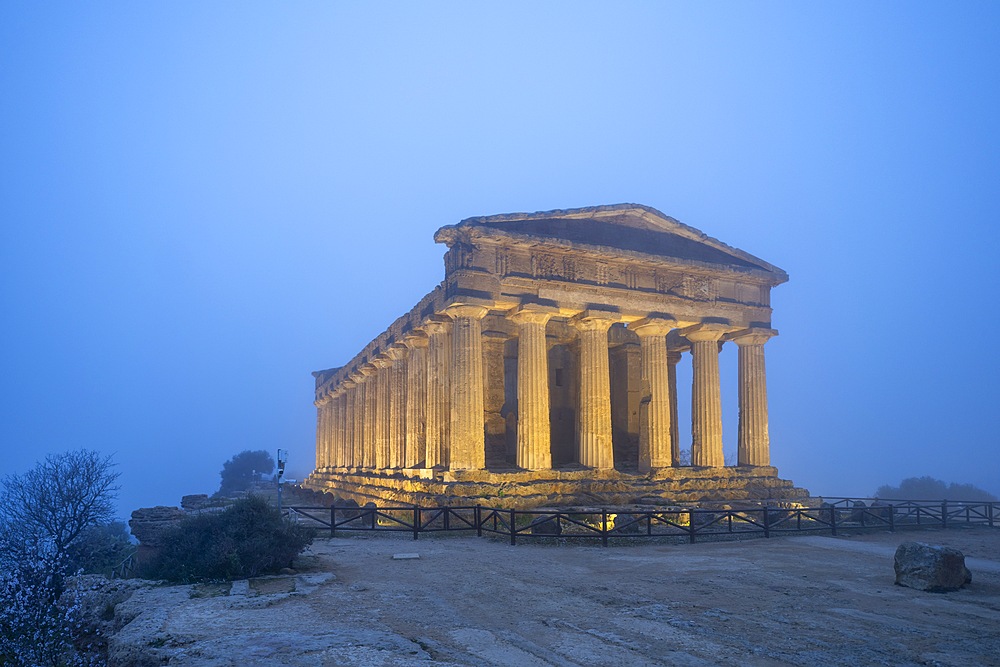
(421, 403)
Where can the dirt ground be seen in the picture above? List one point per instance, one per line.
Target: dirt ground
(475, 601)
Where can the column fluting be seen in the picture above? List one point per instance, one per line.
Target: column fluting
(595, 435)
(438, 412)
(397, 406)
(381, 379)
(534, 446)
(754, 447)
(416, 400)
(468, 450)
(706, 395)
(655, 445)
(348, 408)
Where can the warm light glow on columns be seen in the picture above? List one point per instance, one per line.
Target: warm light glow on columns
(381, 379)
(673, 358)
(397, 406)
(343, 455)
(357, 417)
(416, 399)
(335, 422)
(534, 448)
(596, 448)
(349, 389)
(468, 450)
(320, 424)
(754, 442)
(706, 396)
(438, 411)
(655, 448)
(368, 416)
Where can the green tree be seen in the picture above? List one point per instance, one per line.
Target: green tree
(238, 472)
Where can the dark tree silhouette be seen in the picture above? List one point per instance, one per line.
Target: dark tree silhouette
(928, 488)
(238, 472)
(59, 498)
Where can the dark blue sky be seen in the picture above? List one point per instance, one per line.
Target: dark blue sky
(200, 203)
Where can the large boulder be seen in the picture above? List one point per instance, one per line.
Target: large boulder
(930, 568)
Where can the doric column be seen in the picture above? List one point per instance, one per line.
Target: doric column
(673, 358)
(348, 410)
(397, 406)
(655, 448)
(494, 388)
(706, 396)
(468, 451)
(320, 422)
(345, 415)
(596, 447)
(333, 444)
(416, 399)
(358, 416)
(754, 442)
(381, 379)
(368, 416)
(438, 412)
(534, 447)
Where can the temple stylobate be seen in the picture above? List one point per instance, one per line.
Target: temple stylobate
(543, 370)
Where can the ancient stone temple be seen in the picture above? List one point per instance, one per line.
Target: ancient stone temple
(542, 371)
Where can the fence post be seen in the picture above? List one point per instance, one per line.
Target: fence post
(416, 521)
(944, 513)
(989, 514)
(478, 514)
(892, 518)
(604, 528)
(513, 529)
(833, 521)
(333, 520)
(767, 524)
(691, 525)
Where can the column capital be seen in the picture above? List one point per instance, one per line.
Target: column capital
(367, 370)
(436, 324)
(396, 351)
(466, 310)
(357, 377)
(705, 332)
(415, 339)
(531, 313)
(349, 383)
(381, 361)
(595, 320)
(752, 336)
(673, 357)
(653, 326)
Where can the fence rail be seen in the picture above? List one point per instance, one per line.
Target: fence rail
(689, 523)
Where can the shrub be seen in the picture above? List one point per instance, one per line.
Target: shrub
(928, 488)
(247, 539)
(100, 549)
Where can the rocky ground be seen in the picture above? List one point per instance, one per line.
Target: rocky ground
(475, 601)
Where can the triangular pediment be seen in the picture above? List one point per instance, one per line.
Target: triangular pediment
(633, 228)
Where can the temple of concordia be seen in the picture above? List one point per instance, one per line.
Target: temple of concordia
(543, 371)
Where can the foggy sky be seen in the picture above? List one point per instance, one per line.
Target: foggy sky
(201, 203)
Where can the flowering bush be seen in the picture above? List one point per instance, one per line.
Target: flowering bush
(40, 621)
